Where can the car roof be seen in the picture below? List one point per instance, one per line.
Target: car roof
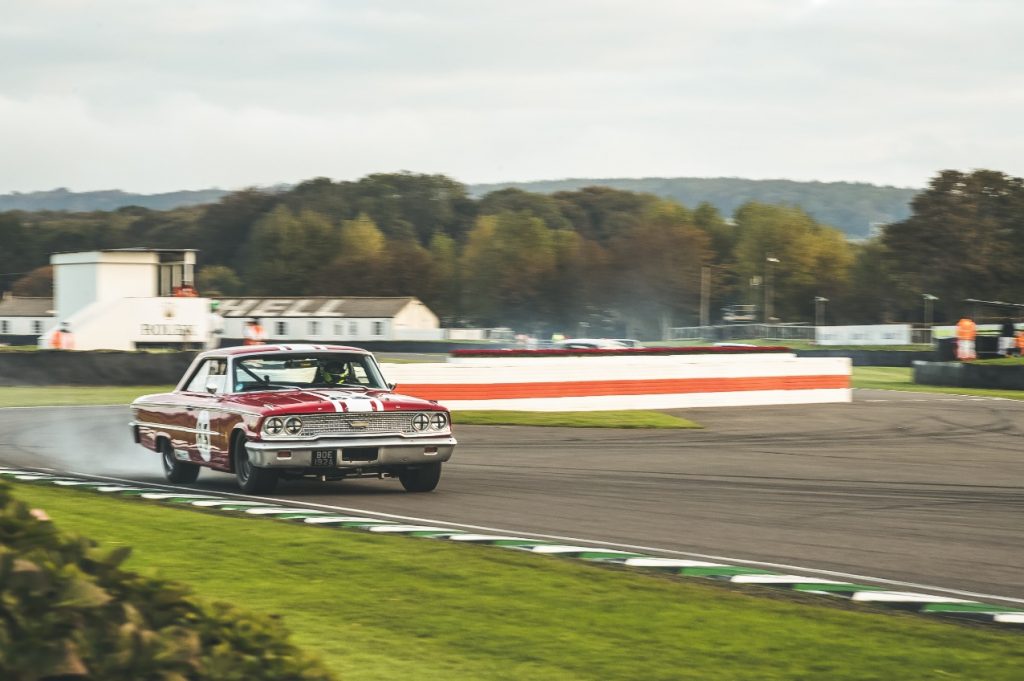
(247, 350)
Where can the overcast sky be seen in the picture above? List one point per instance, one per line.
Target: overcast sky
(158, 95)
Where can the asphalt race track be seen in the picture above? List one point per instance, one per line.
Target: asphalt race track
(925, 489)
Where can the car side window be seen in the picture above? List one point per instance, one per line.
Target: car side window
(198, 382)
(217, 379)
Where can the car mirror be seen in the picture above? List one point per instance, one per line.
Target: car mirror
(392, 386)
(212, 387)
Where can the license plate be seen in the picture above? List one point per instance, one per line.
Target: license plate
(324, 458)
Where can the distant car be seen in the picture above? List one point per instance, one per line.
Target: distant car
(589, 344)
(267, 412)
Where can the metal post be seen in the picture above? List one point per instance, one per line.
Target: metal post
(769, 301)
(819, 310)
(928, 301)
(705, 296)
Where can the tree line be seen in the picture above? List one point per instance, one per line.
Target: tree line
(591, 258)
(852, 207)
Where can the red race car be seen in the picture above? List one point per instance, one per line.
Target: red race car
(268, 412)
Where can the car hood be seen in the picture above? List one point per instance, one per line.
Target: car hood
(329, 400)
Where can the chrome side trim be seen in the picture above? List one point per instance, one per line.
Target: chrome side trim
(183, 429)
(227, 410)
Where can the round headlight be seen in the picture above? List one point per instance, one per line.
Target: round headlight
(273, 426)
(293, 426)
(439, 420)
(420, 422)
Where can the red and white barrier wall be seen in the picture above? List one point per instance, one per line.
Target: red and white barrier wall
(625, 382)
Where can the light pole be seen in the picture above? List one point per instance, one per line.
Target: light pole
(768, 293)
(928, 300)
(819, 310)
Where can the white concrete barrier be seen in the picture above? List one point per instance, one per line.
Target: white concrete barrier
(626, 382)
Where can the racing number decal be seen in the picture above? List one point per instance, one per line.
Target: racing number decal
(203, 434)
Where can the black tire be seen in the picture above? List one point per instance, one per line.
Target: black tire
(177, 471)
(422, 478)
(250, 478)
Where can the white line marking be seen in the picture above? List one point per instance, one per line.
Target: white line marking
(635, 547)
(159, 496)
(330, 519)
(561, 548)
(902, 597)
(1009, 618)
(489, 537)
(266, 510)
(408, 528)
(672, 563)
(113, 488)
(783, 579)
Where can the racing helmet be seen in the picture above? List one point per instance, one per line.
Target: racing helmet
(334, 370)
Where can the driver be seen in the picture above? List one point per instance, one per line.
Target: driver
(334, 371)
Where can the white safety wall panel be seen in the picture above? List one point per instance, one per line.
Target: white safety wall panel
(626, 382)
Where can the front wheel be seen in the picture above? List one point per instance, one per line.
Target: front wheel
(174, 470)
(250, 478)
(422, 478)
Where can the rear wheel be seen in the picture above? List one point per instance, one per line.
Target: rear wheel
(175, 470)
(423, 478)
(250, 478)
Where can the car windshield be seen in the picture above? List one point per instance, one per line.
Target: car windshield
(314, 370)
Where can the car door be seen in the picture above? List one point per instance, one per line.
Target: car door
(215, 426)
(200, 405)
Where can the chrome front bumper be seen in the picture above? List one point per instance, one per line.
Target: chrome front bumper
(391, 451)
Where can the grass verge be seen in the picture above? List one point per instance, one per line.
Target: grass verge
(901, 378)
(572, 419)
(379, 607)
(792, 344)
(33, 396)
(74, 395)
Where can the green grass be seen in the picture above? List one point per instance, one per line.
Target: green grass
(24, 396)
(791, 344)
(378, 607)
(901, 378)
(572, 419)
(1001, 361)
(74, 395)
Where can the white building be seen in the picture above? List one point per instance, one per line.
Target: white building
(130, 299)
(127, 299)
(23, 319)
(332, 320)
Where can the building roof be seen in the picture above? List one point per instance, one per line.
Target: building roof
(14, 306)
(131, 249)
(314, 306)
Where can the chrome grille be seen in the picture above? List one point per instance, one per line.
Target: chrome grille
(377, 423)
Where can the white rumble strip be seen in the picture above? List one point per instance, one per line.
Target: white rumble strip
(732, 570)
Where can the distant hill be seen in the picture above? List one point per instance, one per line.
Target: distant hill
(64, 199)
(851, 206)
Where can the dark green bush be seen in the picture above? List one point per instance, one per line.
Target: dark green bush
(67, 610)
